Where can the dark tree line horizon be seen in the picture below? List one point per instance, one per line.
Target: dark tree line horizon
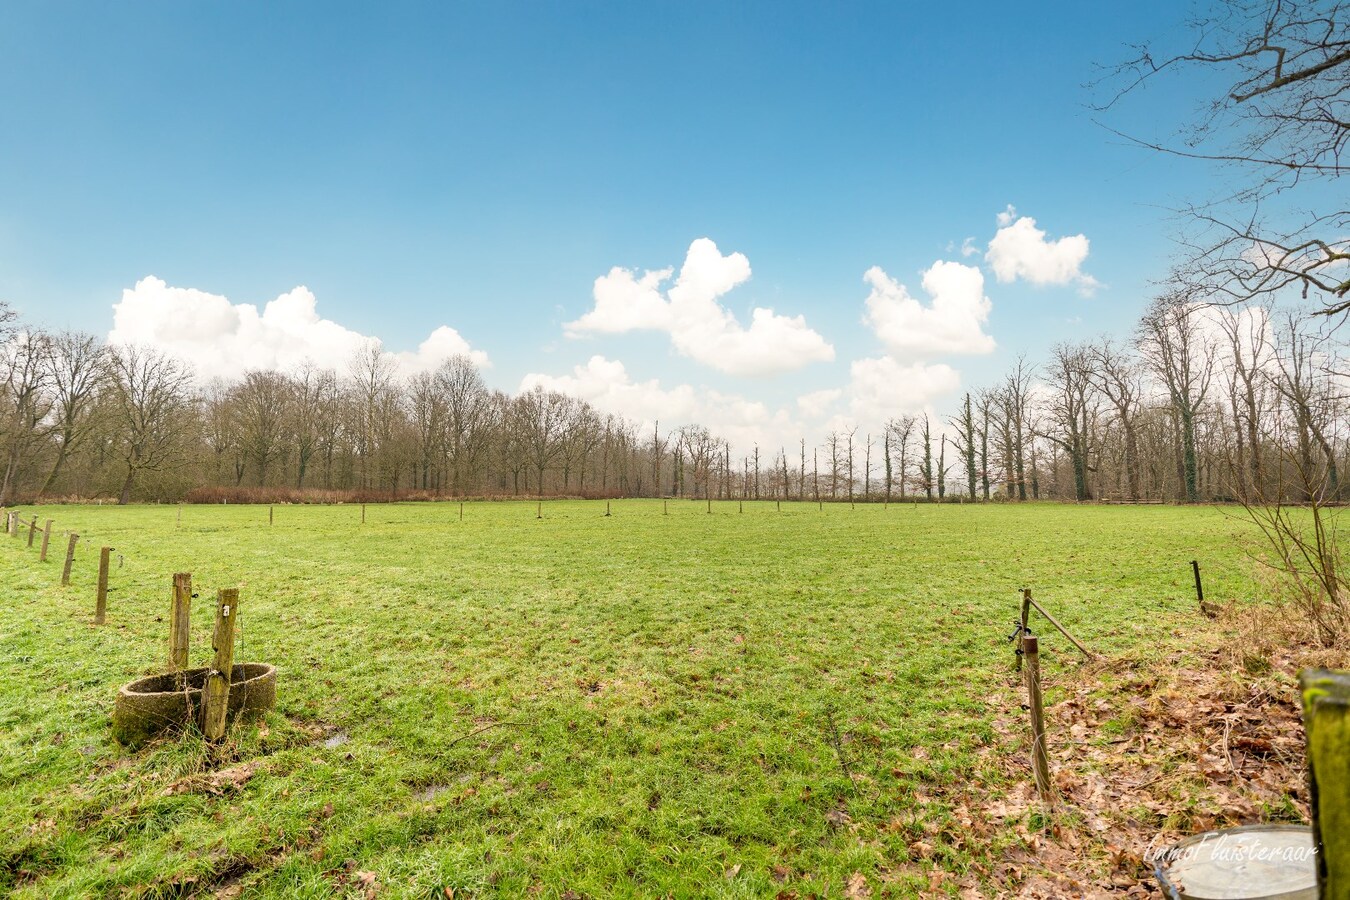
(1202, 403)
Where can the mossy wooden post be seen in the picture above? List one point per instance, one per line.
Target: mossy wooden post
(179, 618)
(46, 539)
(70, 559)
(217, 695)
(1326, 720)
(1040, 758)
(1022, 629)
(101, 599)
(32, 531)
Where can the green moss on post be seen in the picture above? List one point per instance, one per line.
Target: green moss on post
(1326, 718)
(217, 699)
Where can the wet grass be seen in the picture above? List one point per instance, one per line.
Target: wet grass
(733, 705)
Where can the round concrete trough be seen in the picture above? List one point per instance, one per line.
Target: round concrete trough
(147, 706)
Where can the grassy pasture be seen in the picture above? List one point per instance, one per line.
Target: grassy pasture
(626, 706)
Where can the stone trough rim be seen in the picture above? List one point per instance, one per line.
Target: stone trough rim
(263, 670)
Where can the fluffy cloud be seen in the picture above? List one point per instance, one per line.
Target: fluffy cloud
(1019, 250)
(700, 327)
(225, 339)
(881, 387)
(606, 385)
(878, 389)
(952, 324)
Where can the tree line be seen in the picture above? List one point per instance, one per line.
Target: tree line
(1202, 403)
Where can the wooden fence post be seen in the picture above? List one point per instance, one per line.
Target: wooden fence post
(461, 512)
(1326, 720)
(606, 507)
(539, 513)
(101, 599)
(1022, 629)
(710, 504)
(180, 614)
(1039, 756)
(14, 524)
(46, 539)
(70, 559)
(1199, 588)
(179, 523)
(665, 507)
(32, 531)
(217, 694)
(269, 515)
(363, 514)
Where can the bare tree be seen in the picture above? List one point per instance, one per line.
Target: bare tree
(1173, 342)
(26, 370)
(1073, 410)
(261, 403)
(965, 443)
(1116, 375)
(1277, 124)
(79, 371)
(151, 390)
(901, 432)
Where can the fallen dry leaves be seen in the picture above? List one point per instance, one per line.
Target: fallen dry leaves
(1143, 754)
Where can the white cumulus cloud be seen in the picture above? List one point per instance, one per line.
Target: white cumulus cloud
(607, 385)
(226, 339)
(1020, 250)
(953, 323)
(882, 387)
(700, 327)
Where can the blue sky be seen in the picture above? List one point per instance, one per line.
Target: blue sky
(480, 166)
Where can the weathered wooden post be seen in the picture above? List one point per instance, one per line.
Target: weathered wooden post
(269, 515)
(461, 512)
(32, 531)
(180, 614)
(46, 539)
(710, 504)
(539, 512)
(1022, 629)
(363, 514)
(742, 505)
(179, 523)
(606, 507)
(101, 599)
(13, 524)
(665, 507)
(1326, 720)
(217, 694)
(1199, 588)
(70, 559)
(1039, 756)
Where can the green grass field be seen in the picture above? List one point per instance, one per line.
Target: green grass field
(656, 697)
